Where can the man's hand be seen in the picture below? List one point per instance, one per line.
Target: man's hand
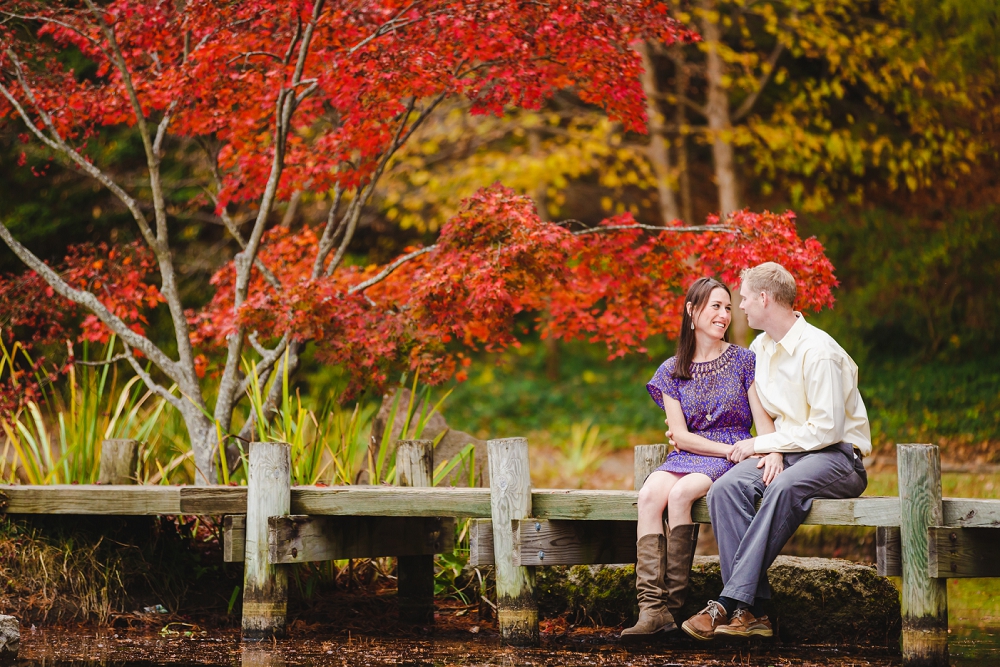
(741, 450)
(772, 464)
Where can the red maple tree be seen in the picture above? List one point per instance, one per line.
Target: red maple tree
(314, 95)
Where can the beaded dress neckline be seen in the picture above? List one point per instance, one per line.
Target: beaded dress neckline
(706, 367)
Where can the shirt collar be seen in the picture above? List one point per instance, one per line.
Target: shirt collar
(794, 335)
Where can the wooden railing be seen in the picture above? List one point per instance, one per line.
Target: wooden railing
(922, 537)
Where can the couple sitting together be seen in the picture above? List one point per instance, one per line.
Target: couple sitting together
(800, 389)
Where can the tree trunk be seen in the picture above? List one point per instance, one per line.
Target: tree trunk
(682, 79)
(204, 444)
(721, 131)
(658, 151)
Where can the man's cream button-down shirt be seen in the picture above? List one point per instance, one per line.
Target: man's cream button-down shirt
(809, 386)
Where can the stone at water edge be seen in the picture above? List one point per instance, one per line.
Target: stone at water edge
(816, 600)
(10, 637)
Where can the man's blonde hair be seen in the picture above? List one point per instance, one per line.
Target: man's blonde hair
(773, 279)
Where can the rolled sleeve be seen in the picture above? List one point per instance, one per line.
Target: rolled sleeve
(825, 424)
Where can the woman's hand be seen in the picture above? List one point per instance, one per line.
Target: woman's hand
(671, 441)
(741, 450)
(772, 464)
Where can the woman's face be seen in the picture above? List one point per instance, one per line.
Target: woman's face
(714, 318)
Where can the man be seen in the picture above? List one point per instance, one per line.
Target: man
(809, 385)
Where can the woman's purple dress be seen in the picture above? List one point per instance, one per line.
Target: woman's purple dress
(715, 406)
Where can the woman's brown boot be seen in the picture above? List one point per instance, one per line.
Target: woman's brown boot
(650, 567)
(680, 556)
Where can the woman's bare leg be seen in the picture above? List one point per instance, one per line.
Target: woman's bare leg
(681, 497)
(653, 498)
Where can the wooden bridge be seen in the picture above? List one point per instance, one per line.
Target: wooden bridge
(269, 524)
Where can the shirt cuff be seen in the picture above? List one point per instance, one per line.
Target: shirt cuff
(770, 442)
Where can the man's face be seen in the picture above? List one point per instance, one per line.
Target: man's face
(753, 305)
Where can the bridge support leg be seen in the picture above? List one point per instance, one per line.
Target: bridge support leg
(510, 500)
(265, 586)
(925, 598)
(415, 574)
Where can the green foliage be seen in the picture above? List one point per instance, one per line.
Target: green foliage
(915, 286)
(512, 393)
(59, 440)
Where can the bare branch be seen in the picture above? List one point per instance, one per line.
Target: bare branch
(268, 357)
(384, 273)
(59, 145)
(330, 233)
(106, 362)
(652, 228)
(154, 386)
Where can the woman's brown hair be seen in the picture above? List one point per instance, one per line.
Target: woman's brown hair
(697, 295)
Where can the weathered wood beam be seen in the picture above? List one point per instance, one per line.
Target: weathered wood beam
(213, 500)
(234, 538)
(924, 598)
(961, 553)
(544, 542)
(511, 500)
(415, 573)
(301, 539)
(265, 584)
(118, 461)
(119, 500)
(888, 550)
(381, 500)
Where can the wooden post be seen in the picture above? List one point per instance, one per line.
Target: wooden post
(646, 459)
(415, 574)
(118, 461)
(510, 501)
(925, 599)
(265, 586)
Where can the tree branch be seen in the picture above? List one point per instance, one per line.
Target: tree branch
(90, 301)
(154, 386)
(384, 273)
(652, 228)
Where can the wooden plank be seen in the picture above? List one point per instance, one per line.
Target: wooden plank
(213, 500)
(864, 511)
(234, 536)
(924, 598)
(544, 542)
(961, 553)
(888, 549)
(302, 539)
(481, 543)
(971, 512)
(119, 500)
(382, 500)
(585, 505)
(590, 505)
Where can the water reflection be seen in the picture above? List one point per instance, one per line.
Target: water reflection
(71, 649)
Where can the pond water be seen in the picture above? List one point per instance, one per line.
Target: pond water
(66, 648)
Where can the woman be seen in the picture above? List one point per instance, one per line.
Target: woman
(709, 398)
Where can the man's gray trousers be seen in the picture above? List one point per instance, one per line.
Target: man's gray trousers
(749, 540)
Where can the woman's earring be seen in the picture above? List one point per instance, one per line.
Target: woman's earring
(692, 326)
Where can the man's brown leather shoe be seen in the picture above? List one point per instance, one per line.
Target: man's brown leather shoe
(705, 623)
(745, 624)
